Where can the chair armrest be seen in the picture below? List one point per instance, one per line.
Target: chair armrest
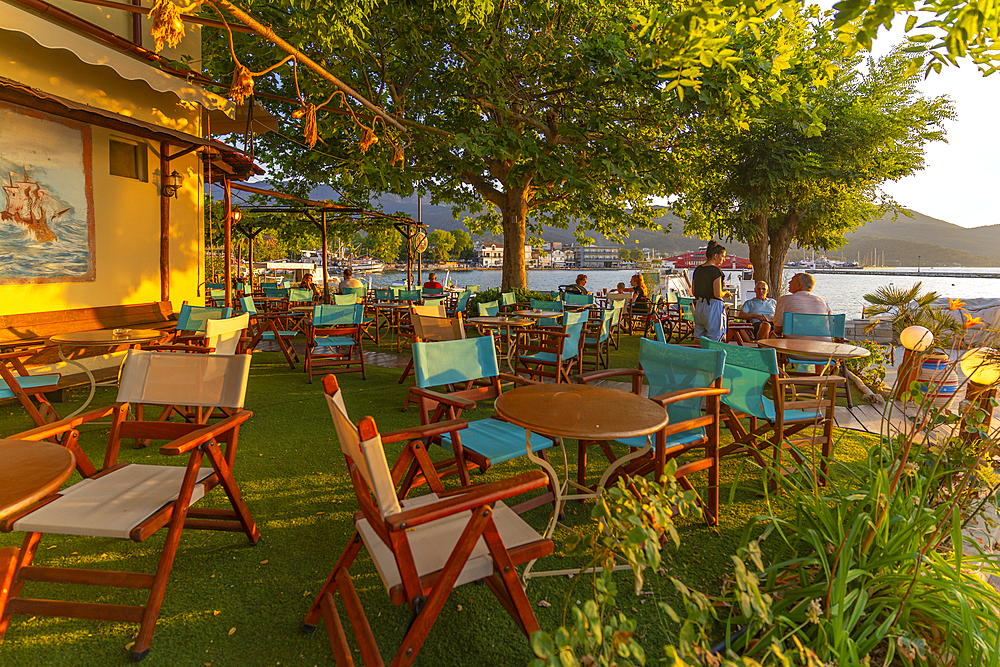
(447, 399)
(507, 377)
(586, 378)
(63, 425)
(426, 431)
(21, 353)
(477, 496)
(182, 348)
(197, 438)
(682, 394)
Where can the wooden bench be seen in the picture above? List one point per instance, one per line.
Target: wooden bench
(29, 329)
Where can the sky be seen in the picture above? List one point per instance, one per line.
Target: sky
(960, 181)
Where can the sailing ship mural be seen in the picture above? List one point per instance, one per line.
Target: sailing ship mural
(46, 205)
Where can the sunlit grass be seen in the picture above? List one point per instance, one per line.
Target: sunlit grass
(295, 482)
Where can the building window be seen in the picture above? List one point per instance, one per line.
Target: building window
(128, 158)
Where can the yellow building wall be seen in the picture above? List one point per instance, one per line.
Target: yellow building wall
(126, 211)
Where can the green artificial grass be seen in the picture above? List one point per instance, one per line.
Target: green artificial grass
(230, 603)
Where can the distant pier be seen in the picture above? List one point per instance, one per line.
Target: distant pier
(908, 274)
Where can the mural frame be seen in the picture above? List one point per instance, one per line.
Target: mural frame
(88, 192)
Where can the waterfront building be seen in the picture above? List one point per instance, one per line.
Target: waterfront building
(597, 257)
(490, 255)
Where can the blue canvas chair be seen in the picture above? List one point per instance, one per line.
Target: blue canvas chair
(471, 365)
(679, 317)
(551, 352)
(345, 299)
(20, 384)
(681, 379)
(300, 297)
(508, 301)
(542, 304)
(661, 335)
(461, 304)
(597, 339)
(432, 292)
(384, 294)
(578, 299)
(267, 327)
(191, 322)
(823, 327)
(775, 420)
(422, 547)
(359, 292)
(472, 289)
(488, 308)
(336, 329)
(410, 296)
(618, 310)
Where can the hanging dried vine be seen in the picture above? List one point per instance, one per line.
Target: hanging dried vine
(167, 24)
(243, 79)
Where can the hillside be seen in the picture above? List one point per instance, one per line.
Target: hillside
(900, 241)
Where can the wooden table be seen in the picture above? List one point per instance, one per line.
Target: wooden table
(581, 412)
(540, 314)
(817, 349)
(505, 324)
(30, 471)
(101, 338)
(392, 312)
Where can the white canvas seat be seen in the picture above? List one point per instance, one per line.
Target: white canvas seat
(131, 501)
(422, 547)
(224, 335)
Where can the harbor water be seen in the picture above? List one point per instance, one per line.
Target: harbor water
(844, 292)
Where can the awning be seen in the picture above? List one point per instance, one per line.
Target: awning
(226, 160)
(263, 121)
(53, 36)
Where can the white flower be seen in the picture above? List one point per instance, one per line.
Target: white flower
(814, 610)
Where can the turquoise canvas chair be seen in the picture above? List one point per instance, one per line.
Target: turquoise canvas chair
(472, 289)
(578, 299)
(410, 296)
(461, 304)
(20, 384)
(338, 330)
(679, 316)
(469, 363)
(267, 327)
(775, 420)
(191, 321)
(551, 352)
(432, 291)
(300, 297)
(489, 308)
(821, 327)
(508, 301)
(661, 335)
(618, 310)
(682, 380)
(597, 339)
(345, 299)
(384, 295)
(552, 306)
(359, 292)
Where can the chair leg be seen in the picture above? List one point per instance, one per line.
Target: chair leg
(27, 553)
(343, 563)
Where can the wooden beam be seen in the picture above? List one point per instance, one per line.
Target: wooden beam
(164, 224)
(228, 242)
(137, 9)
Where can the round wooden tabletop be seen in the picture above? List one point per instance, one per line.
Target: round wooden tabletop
(30, 471)
(108, 337)
(581, 411)
(539, 314)
(820, 349)
(501, 321)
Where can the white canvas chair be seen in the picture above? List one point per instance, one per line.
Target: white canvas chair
(422, 547)
(132, 501)
(224, 336)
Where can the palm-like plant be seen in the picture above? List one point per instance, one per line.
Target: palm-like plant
(906, 306)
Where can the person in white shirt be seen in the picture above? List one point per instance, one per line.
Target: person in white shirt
(348, 281)
(800, 300)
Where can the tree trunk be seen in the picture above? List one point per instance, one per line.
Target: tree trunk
(758, 249)
(780, 241)
(514, 224)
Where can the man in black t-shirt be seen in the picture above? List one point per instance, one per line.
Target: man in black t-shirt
(580, 287)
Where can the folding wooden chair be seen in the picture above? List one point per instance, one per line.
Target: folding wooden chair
(22, 385)
(551, 352)
(428, 328)
(681, 379)
(191, 322)
(822, 327)
(470, 364)
(338, 330)
(597, 339)
(422, 547)
(776, 423)
(132, 501)
(265, 327)
(406, 322)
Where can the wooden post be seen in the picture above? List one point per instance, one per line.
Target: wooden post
(326, 278)
(228, 243)
(164, 224)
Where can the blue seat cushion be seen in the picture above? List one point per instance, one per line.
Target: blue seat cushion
(547, 357)
(496, 440)
(335, 341)
(790, 415)
(269, 335)
(30, 382)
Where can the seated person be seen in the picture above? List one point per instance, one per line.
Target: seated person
(307, 283)
(432, 282)
(619, 293)
(348, 281)
(800, 300)
(760, 311)
(580, 287)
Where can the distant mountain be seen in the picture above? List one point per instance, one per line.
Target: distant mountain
(896, 242)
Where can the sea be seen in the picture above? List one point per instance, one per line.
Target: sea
(844, 292)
